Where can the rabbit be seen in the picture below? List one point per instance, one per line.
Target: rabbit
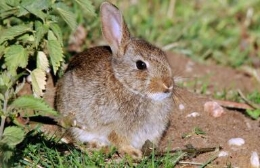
(119, 95)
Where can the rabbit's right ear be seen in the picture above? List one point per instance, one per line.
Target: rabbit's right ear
(114, 28)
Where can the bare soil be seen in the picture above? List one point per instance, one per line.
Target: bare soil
(232, 124)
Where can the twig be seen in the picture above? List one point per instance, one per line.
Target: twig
(255, 106)
(236, 105)
(179, 158)
(190, 163)
(209, 161)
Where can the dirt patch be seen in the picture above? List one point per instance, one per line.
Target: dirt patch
(233, 124)
(216, 77)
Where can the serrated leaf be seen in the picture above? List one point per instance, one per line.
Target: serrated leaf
(9, 12)
(6, 152)
(42, 61)
(55, 51)
(87, 6)
(13, 135)
(40, 31)
(13, 3)
(4, 6)
(33, 103)
(36, 12)
(57, 32)
(16, 56)
(34, 4)
(38, 81)
(68, 17)
(11, 32)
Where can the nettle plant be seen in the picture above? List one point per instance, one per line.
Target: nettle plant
(31, 44)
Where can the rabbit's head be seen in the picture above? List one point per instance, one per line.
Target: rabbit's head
(141, 67)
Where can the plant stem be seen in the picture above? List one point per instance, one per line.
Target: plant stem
(3, 117)
(2, 126)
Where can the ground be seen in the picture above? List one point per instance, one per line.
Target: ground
(231, 124)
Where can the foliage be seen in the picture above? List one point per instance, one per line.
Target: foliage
(254, 99)
(224, 31)
(31, 42)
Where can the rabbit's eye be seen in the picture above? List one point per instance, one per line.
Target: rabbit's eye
(140, 65)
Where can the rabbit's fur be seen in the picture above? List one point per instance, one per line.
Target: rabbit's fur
(113, 101)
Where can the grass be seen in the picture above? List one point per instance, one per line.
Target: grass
(224, 31)
(39, 151)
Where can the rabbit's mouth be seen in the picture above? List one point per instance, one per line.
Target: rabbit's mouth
(159, 96)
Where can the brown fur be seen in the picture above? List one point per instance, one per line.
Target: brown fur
(114, 102)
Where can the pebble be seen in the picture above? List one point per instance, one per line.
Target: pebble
(236, 141)
(181, 107)
(254, 160)
(223, 154)
(214, 109)
(193, 114)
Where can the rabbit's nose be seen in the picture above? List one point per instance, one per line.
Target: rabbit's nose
(167, 84)
(167, 89)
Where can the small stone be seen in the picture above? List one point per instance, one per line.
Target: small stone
(223, 154)
(214, 109)
(181, 107)
(236, 142)
(193, 114)
(254, 160)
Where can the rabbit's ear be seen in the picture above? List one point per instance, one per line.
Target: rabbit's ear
(114, 28)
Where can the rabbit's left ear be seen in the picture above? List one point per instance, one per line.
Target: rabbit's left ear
(114, 28)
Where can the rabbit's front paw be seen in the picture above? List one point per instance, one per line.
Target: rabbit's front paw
(136, 154)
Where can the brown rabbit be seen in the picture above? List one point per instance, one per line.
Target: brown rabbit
(121, 95)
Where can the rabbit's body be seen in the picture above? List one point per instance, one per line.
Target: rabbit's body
(117, 99)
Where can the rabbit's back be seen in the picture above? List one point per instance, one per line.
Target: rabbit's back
(84, 82)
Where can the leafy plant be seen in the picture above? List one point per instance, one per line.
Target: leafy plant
(31, 44)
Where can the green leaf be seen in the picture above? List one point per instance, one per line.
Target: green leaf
(11, 32)
(13, 135)
(36, 12)
(37, 104)
(6, 152)
(38, 81)
(13, 3)
(40, 31)
(86, 6)
(4, 6)
(199, 131)
(33, 5)
(9, 12)
(255, 114)
(55, 50)
(16, 56)
(68, 17)
(57, 32)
